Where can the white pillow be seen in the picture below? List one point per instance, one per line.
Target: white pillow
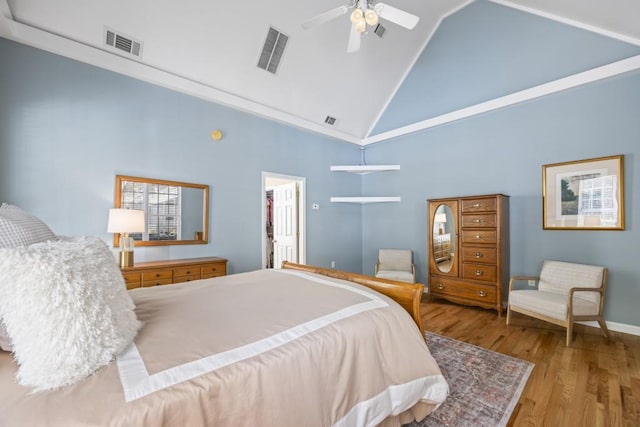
(66, 309)
(5, 341)
(18, 227)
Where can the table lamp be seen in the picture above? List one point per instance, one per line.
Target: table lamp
(440, 219)
(125, 221)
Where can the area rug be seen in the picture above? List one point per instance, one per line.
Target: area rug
(484, 386)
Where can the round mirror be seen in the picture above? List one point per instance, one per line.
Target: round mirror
(443, 240)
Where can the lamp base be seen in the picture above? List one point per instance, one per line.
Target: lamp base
(126, 258)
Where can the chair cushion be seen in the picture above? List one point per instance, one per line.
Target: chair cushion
(402, 276)
(551, 304)
(559, 277)
(395, 259)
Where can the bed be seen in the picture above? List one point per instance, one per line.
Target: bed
(297, 346)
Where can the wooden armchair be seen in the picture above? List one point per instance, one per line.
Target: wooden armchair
(566, 293)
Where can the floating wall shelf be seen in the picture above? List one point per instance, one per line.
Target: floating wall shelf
(364, 169)
(364, 199)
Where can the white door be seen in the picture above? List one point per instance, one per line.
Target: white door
(285, 224)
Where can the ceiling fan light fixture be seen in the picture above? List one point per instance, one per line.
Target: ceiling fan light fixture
(361, 26)
(356, 16)
(371, 17)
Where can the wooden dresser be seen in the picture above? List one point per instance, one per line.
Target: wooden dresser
(477, 270)
(154, 273)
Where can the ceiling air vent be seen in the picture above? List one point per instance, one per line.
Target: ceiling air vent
(122, 42)
(330, 120)
(272, 50)
(379, 31)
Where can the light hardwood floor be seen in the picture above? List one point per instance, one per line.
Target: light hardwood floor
(591, 383)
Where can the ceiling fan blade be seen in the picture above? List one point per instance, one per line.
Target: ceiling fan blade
(397, 16)
(324, 17)
(354, 40)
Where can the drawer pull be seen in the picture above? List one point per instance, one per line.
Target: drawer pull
(478, 254)
(482, 293)
(157, 274)
(477, 237)
(477, 221)
(477, 205)
(188, 272)
(440, 286)
(478, 273)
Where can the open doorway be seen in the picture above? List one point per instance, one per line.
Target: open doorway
(283, 219)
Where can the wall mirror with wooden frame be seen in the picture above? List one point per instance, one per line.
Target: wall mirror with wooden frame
(176, 213)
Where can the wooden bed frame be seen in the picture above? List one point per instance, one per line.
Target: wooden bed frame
(408, 295)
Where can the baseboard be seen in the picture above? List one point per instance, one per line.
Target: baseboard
(612, 326)
(615, 326)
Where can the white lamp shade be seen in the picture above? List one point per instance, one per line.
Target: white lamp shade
(441, 218)
(125, 221)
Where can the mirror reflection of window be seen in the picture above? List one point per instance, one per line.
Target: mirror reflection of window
(162, 209)
(175, 212)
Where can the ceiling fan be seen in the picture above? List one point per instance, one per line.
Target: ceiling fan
(364, 14)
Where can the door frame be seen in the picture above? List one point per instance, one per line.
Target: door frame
(302, 223)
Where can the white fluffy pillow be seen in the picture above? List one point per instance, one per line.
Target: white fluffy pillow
(18, 228)
(66, 309)
(5, 341)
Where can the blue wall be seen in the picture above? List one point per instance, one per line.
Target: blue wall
(66, 130)
(503, 152)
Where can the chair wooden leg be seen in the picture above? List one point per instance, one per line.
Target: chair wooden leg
(508, 314)
(569, 333)
(603, 326)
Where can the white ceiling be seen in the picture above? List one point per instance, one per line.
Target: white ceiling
(211, 49)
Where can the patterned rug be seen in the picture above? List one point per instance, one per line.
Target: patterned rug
(484, 386)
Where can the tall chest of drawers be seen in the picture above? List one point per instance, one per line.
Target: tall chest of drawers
(478, 268)
(154, 273)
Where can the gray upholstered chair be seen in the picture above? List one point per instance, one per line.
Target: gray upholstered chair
(396, 264)
(566, 293)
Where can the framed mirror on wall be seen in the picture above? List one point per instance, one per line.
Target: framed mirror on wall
(176, 213)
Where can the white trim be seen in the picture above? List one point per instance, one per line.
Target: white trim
(568, 21)
(396, 399)
(410, 67)
(615, 326)
(364, 199)
(590, 76)
(6, 19)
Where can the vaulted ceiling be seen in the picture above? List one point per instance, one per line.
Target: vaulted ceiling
(211, 49)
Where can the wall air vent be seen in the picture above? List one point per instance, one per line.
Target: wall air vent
(379, 31)
(272, 50)
(122, 42)
(330, 120)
